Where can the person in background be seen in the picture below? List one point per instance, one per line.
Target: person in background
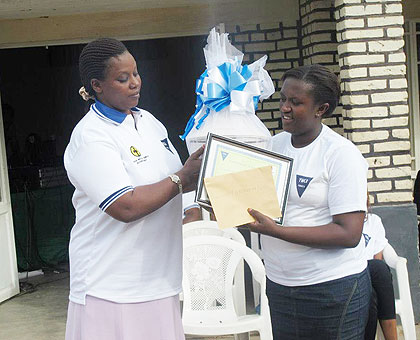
(33, 150)
(318, 285)
(14, 156)
(126, 245)
(382, 306)
(416, 192)
(416, 200)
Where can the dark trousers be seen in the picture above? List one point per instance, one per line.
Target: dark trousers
(336, 309)
(382, 303)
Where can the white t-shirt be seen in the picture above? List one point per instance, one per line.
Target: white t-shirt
(329, 177)
(109, 154)
(373, 236)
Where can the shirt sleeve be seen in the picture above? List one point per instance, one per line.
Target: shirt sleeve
(98, 170)
(347, 171)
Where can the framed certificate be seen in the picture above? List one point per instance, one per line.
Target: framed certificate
(224, 155)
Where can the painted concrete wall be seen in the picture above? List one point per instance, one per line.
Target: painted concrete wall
(141, 23)
(411, 9)
(400, 222)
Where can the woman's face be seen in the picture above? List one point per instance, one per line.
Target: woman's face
(300, 115)
(120, 89)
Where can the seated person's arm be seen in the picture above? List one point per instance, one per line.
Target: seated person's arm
(379, 256)
(191, 215)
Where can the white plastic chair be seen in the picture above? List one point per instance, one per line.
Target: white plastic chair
(199, 228)
(403, 305)
(210, 264)
(202, 227)
(256, 247)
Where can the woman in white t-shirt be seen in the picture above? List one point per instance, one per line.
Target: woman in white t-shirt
(382, 306)
(318, 285)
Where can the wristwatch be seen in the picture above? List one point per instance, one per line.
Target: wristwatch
(174, 178)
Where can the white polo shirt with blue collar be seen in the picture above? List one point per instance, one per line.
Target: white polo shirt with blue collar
(109, 154)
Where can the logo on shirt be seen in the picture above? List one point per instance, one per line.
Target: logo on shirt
(302, 183)
(134, 151)
(367, 239)
(166, 144)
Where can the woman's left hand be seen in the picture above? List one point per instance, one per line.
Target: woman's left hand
(263, 224)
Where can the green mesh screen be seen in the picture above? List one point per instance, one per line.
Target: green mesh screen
(42, 222)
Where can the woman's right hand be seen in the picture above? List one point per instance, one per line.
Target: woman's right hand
(190, 171)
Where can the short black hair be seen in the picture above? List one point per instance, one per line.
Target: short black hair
(325, 85)
(94, 59)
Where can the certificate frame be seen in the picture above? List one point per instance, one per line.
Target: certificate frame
(242, 157)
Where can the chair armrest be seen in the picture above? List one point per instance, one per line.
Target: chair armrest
(392, 259)
(403, 305)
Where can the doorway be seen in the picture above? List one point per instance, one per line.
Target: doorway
(41, 105)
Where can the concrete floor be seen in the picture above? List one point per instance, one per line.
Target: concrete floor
(41, 314)
(38, 315)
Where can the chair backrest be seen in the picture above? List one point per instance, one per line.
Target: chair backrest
(210, 228)
(203, 227)
(403, 304)
(210, 264)
(206, 227)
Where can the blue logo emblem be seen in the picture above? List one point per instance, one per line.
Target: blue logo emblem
(166, 144)
(224, 154)
(367, 239)
(302, 183)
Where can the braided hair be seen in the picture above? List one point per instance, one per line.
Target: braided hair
(94, 60)
(325, 85)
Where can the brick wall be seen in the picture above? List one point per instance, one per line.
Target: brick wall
(319, 44)
(280, 42)
(361, 41)
(310, 39)
(374, 93)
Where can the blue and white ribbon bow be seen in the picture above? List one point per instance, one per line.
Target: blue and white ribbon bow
(222, 86)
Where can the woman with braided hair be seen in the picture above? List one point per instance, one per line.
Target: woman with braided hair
(126, 245)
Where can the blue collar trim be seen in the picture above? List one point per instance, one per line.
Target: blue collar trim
(107, 113)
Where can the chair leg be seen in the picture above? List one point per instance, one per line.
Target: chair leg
(242, 336)
(266, 334)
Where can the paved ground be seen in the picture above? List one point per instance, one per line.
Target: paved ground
(41, 314)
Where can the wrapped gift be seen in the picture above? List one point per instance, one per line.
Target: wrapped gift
(227, 96)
